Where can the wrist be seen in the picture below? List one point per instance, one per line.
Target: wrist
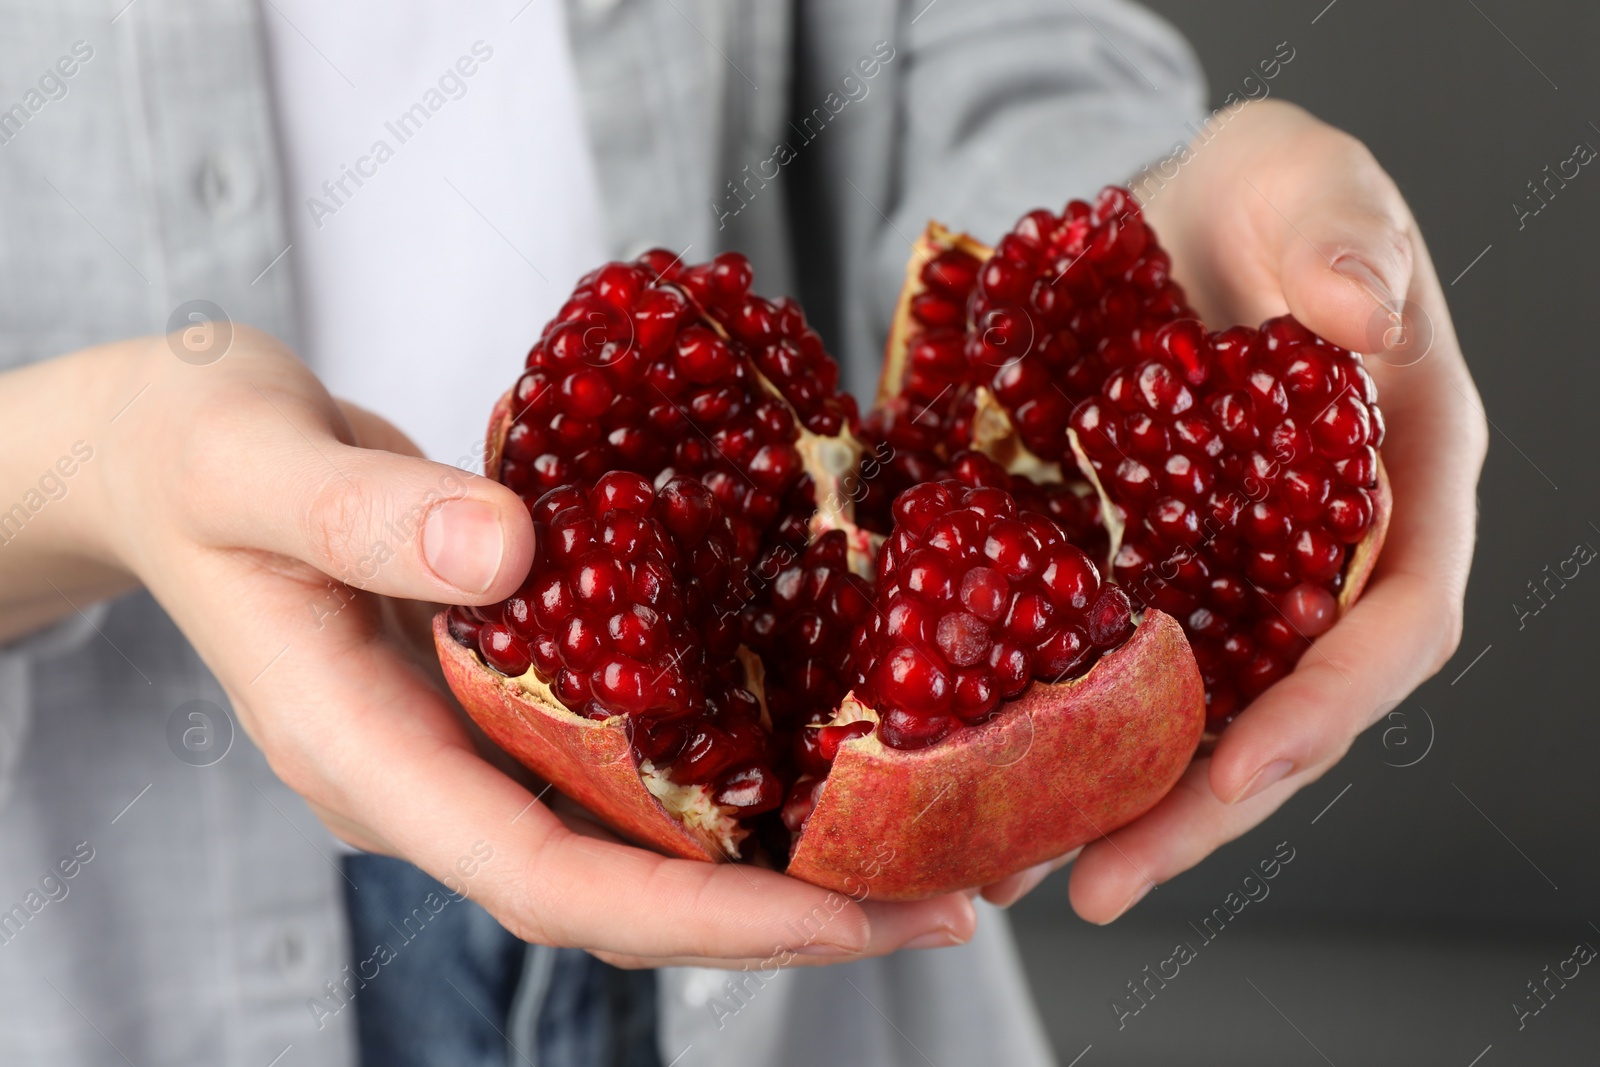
(117, 434)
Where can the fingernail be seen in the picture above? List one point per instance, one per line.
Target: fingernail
(1139, 894)
(463, 544)
(937, 939)
(1270, 775)
(1357, 271)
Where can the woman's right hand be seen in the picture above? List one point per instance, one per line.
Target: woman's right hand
(285, 533)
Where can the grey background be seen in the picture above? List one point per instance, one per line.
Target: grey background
(1410, 920)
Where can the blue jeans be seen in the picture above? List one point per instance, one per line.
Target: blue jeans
(454, 989)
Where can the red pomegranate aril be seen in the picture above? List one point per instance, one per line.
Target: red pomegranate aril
(1110, 618)
(1341, 426)
(1029, 618)
(1068, 577)
(958, 535)
(580, 644)
(1012, 548)
(909, 678)
(1061, 653)
(636, 632)
(1317, 557)
(686, 508)
(624, 686)
(1270, 568)
(903, 729)
(1011, 668)
(750, 791)
(702, 356)
(986, 593)
(953, 272)
(977, 697)
(1310, 609)
(622, 535)
(829, 738)
(801, 801)
(598, 581)
(464, 628)
(504, 650)
(918, 506)
(930, 575)
(1349, 514)
(572, 687)
(963, 639)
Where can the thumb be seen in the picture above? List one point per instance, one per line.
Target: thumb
(1347, 258)
(392, 524)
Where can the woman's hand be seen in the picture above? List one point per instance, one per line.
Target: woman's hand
(290, 537)
(1280, 212)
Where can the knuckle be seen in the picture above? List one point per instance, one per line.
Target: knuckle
(337, 518)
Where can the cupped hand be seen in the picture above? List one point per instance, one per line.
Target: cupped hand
(1281, 212)
(290, 536)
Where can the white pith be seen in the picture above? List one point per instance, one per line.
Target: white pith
(692, 805)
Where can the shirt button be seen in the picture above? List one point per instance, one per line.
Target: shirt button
(226, 183)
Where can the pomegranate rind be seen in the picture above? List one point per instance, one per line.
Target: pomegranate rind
(592, 763)
(500, 420)
(1060, 766)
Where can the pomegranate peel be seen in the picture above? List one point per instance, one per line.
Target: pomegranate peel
(591, 762)
(1059, 766)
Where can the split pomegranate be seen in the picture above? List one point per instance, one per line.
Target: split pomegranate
(746, 636)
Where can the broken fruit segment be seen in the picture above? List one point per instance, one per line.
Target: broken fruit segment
(1238, 475)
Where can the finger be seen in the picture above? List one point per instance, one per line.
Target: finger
(942, 922)
(1116, 872)
(1346, 245)
(278, 478)
(1007, 891)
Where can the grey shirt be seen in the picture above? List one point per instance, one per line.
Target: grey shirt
(153, 911)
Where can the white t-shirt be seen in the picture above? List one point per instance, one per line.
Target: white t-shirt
(441, 195)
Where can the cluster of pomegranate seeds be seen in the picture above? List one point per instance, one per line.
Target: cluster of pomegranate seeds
(974, 600)
(630, 610)
(630, 376)
(1063, 300)
(786, 350)
(1244, 462)
(801, 624)
(1072, 505)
